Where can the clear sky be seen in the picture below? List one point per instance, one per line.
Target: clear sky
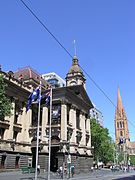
(104, 31)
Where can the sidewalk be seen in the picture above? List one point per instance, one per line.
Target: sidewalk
(95, 175)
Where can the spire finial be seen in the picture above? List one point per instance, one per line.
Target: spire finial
(74, 47)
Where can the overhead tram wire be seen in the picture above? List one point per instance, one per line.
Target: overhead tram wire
(98, 87)
(56, 39)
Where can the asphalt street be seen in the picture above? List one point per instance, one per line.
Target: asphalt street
(95, 175)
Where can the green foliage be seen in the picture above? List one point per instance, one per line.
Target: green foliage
(5, 103)
(132, 159)
(120, 155)
(102, 142)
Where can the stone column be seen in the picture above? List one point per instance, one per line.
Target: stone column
(71, 116)
(25, 121)
(89, 133)
(64, 122)
(82, 126)
(44, 124)
(82, 143)
(9, 132)
(23, 136)
(44, 137)
(72, 119)
(87, 130)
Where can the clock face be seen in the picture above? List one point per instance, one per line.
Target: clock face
(73, 83)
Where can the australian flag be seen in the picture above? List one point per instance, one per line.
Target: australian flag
(33, 97)
(122, 140)
(45, 98)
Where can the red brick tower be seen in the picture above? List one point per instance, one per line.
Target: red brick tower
(121, 122)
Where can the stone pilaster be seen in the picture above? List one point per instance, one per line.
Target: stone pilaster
(89, 133)
(87, 125)
(25, 121)
(23, 136)
(44, 124)
(82, 126)
(9, 132)
(64, 122)
(44, 137)
(72, 118)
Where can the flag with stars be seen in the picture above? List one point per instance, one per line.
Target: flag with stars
(33, 97)
(45, 98)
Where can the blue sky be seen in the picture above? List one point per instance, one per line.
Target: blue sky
(104, 31)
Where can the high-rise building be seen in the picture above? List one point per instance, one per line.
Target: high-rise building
(96, 114)
(54, 80)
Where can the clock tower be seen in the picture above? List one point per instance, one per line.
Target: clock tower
(75, 75)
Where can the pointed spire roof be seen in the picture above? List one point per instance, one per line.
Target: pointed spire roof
(120, 107)
(75, 68)
(119, 100)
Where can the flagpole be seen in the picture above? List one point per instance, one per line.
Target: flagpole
(38, 132)
(49, 159)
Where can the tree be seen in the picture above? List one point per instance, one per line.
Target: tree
(5, 103)
(132, 159)
(102, 143)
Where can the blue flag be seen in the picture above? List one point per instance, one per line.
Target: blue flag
(33, 97)
(45, 98)
(122, 140)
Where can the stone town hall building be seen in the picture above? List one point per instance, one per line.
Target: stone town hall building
(70, 122)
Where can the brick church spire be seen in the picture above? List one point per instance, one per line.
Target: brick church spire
(120, 108)
(121, 122)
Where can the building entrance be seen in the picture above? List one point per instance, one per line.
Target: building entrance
(54, 158)
(33, 157)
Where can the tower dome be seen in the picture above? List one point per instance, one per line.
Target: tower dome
(75, 75)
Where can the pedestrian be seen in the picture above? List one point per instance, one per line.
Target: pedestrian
(38, 169)
(60, 171)
(72, 170)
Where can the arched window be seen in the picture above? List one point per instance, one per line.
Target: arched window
(121, 124)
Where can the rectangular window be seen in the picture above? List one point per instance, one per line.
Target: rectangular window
(56, 114)
(2, 130)
(15, 135)
(121, 133)
(17, 162)
(68, 109)
(3, 160)
(77, 119)
(34, 115)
